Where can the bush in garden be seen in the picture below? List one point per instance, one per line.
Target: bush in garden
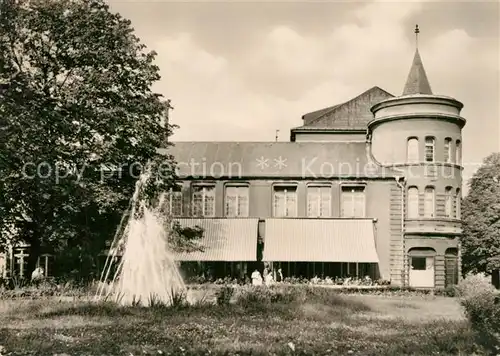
(481, 302)
(261, 297)
(224, 295)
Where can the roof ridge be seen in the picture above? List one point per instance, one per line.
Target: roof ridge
(336, 107)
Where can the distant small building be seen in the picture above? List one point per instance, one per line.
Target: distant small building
(370, 187)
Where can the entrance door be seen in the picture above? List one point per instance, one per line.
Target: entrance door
(421, 274)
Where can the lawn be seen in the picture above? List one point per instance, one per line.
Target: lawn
(323, 323)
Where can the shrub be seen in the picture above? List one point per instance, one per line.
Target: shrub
(262, 297)
(382, 282)
(481, 302)
(224, 295)
(450, 291)
(474, 284)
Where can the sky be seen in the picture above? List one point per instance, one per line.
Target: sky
(239, 71)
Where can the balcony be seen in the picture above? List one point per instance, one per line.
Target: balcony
(442, 226)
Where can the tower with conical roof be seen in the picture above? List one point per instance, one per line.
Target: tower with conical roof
(420, 134)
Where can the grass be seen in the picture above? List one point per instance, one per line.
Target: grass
(317, 323)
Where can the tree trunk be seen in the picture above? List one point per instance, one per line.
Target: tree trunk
(495, 278)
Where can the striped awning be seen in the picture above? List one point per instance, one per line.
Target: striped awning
(223, 240)
(320, 240)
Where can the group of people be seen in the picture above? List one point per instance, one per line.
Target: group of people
(267, 277)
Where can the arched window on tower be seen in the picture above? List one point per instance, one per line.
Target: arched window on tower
(412, 150)
(429, 149)
(412, 202)
(458, 152)
(447, 150)
(448, 202)
(429, 202)
(458, 199)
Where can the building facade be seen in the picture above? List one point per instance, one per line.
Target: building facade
(367, 187)
(370, 187)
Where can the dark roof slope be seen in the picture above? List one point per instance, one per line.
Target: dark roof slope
(351, 115)
(320, 160)
(312, 116)
(417, 82)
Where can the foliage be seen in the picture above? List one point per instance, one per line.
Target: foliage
(481, 217)
(184, 239)
(481, 302)
(450, 291)
(78, 122)
(261, 297)
(224, 295)
(472, 285)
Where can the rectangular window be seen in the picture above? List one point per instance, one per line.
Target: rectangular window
(319, 201)
(421, 263)
(458, 152)
(418, 263)
(353, 202)
(458, 199)
(412, 150)
(429, 149)
(447, 150)
(429, 202)
(448, 202)
(285, 201)
(174, 201)
(413, 202)
(203, 200)
(236, 201)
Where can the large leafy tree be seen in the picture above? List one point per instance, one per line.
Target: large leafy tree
(481, 216)
(78, 122)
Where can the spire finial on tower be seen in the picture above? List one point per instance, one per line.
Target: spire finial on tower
(417, 31)
(417, 82)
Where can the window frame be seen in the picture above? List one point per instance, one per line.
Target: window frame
(432, 145)
(448, 150)
(458, 152)
(285, 186)
(414, 261)
(416, 207)
(432, 213)
(237, 185)
(458, 203)
(170, 194)
(319, 186)
(343, 189)
(193, 191)
(416, 153)
(448, 202)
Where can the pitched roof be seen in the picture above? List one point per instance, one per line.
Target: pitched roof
(325, 160)
(351, 115)
(417, 82)
(312, 116)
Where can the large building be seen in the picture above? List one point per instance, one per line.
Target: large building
(371, 186)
